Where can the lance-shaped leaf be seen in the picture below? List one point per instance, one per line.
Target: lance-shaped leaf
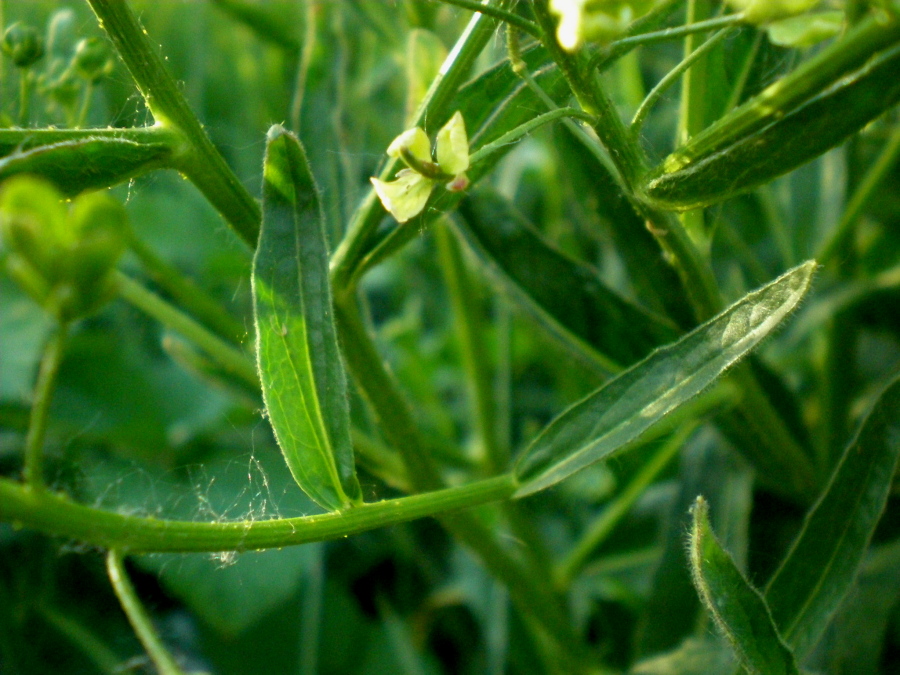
(631, 403)
(303, 381)
(823, 561)
(737, 608)
(566, 296)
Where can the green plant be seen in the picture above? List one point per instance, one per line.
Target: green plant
(555, 305)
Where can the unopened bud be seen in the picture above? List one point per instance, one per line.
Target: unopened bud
(23, 44)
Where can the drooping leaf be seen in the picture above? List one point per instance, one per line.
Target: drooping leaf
(303, 381)
(90, 163)
(565, 295)
(628, 405)
(823, 561)
(737, 608)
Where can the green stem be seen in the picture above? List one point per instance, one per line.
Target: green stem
(24, 95)
(201, 162)
(193, 298)
(58, 515)
(626, 155)
(673, 33)
(40, 407)
(228, 357)
(598, 531)
(524, 129)
(836, 243)
(432, 111)
(86, 97)
(470, 332)
(647, 24)
(395, 418)
(138, 617)
(498, 13)
(670, 78)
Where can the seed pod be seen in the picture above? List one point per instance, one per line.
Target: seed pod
(785, 144)
(22, 44)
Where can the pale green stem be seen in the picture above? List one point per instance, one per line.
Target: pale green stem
(40, 407)
(600, 529)
(524, 129)
(193, 298)
(138, 617)
(24, 95)
(228, 357)
(56, 514)
(675, 32)
(86, 97)
(670, 78)
(497, 13)
(470, 333)
(831, 249)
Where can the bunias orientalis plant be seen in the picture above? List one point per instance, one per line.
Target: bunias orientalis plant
(657, 335)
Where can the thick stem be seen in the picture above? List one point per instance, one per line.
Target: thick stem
(40, 407)
(201, 162)
(58, 515)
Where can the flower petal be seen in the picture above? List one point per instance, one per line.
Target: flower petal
(453, 146)
(415, 140)
(405, 197)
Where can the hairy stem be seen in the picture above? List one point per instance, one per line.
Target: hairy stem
(56, 514)
(201, 162)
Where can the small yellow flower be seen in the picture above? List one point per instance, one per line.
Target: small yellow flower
(406, 195)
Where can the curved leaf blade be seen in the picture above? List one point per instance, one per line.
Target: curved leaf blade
(631, 403)
(737, 608)
(822, 563)
(303, 381)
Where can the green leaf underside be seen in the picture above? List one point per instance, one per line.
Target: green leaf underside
(303, 381)
(628, 405)
(567, 296)
(822, 563)
(88, 164)
(737, 608)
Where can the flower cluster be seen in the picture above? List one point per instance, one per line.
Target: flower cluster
(407, 194)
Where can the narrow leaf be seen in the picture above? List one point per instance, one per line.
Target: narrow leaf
(737, 608)
(789, 142)
(823, 561)
(565, 295)
(627, 406)
(303, 381)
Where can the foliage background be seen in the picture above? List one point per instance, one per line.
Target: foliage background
(133, 429)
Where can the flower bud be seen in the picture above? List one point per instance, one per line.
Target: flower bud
(92, 59)
(22, 44)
